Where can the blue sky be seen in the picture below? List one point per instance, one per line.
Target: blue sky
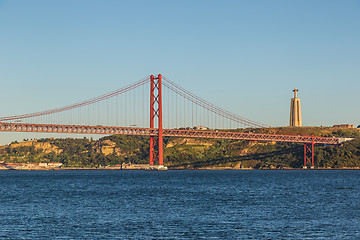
(244, 56)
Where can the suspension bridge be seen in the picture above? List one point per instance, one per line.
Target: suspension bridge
(174, 112)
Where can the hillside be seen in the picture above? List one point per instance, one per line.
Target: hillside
(189, 153)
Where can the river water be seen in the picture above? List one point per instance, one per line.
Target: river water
(186, 204)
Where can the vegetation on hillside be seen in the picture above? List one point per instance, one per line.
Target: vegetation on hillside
(190, 153)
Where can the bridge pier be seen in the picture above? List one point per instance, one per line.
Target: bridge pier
(309, 153)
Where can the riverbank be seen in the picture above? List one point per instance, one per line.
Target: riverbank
(59, 166)
(42, 167)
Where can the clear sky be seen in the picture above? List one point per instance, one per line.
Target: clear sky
(244, 56)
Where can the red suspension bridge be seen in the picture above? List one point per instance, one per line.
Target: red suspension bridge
(125, 111)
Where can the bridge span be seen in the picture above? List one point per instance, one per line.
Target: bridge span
(214, 134)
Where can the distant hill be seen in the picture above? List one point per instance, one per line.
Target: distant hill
(190, 153)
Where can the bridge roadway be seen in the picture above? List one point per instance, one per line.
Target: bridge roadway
(50, 128)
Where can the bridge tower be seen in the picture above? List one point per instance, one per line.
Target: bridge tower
(309, 153)
(295, 111)
(156, 112)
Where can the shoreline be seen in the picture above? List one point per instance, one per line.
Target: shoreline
(175, 169)
(130, 166)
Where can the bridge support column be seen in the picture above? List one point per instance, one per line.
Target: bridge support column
(156, 112)
(309, 153)
(152, 138)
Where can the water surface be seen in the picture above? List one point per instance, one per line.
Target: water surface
(95, 204)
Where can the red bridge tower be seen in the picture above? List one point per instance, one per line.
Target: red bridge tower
(156, 112)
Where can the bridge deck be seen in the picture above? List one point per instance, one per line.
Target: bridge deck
(50, 128)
